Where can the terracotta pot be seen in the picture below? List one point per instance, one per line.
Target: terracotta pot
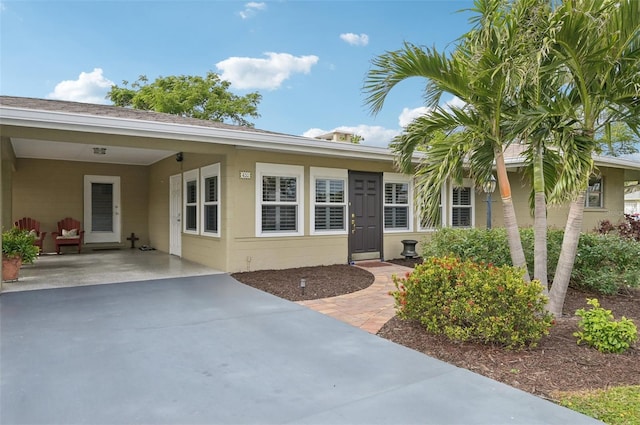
(11, 268)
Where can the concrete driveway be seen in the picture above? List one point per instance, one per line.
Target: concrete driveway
(209, 350)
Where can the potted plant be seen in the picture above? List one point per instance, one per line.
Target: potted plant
(17, 248)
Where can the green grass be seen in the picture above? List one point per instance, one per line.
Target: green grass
(615, 406)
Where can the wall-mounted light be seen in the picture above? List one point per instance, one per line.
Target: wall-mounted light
(99, 151)
(179, 157)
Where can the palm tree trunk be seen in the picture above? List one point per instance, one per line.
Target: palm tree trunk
(540, 223)
(510, 221)
(567, 256)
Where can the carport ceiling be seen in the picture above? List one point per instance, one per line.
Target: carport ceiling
(44, 149)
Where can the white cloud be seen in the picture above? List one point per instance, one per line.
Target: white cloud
(355, 39)
(407, 115)
(373, 135)
(251, 8)
(91, 87)
(456, 102)
(378, 135)
(255, 73)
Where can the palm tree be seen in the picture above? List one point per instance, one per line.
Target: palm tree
(481, 72)
(596, 45)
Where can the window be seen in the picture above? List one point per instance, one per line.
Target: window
(279, 191)
(328, 194)
(441, 219)
(191, 201)
(210, 215)
(462, 206)
(396, 202)
(593, 197)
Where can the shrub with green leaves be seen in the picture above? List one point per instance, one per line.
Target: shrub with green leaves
(604, 263)
(490, 246)
(600, 331)
(468, 301)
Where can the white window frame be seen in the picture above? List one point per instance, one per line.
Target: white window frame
(466, 183)
(280, 170)
(398, 179)
(189, 176)
(205, 173)
(318, 173)
(600, 182)
(443, 212)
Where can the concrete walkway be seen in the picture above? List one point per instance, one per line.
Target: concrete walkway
(368, 309)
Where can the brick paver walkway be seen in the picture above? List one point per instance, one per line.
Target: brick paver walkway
(368, 309)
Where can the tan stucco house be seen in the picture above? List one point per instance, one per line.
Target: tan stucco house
(233, 198)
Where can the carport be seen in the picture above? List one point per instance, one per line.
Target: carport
(100, 267)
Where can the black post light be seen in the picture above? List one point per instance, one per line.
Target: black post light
(489, 187)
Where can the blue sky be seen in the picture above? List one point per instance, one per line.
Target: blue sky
(308, 59)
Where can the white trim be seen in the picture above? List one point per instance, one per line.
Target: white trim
(317, 173)
(242, 138)
(206, 172)
(115, 235)
(600, 192)
(189, 176)
(280, 170)
(175, 215)
(259, 140)
(402, 179)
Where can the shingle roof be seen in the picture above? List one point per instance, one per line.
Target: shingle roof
(116, 112)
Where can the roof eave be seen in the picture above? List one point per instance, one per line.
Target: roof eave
(25, 117)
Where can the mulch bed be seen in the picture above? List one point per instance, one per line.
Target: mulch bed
(558, 363)
(321, 281)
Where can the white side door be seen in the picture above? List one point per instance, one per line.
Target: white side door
(102, 211)
(175, 215)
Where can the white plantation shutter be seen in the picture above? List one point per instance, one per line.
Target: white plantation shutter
(210, 204)
(328, 215)
(396, 205)
(279, 199)
(461, 208)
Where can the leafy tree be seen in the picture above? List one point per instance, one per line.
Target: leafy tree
(618, 139)
(206, 98)
(357, 139)
(481, 72)
(596, 47)
(548, 74)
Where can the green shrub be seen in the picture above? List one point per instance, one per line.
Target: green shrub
(467, 301)
(469, 244)
(604, 263)
(19, 243)
(600, 331)
(490, 246)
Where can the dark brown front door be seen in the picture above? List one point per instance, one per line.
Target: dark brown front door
(365, 215)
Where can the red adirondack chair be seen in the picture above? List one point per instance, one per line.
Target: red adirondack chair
(28, 223)
(69, 233)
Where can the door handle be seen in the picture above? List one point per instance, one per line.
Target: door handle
(353, 227)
